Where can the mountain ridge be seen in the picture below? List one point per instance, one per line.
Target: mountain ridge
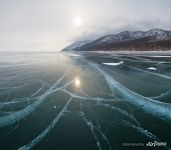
(154, 39)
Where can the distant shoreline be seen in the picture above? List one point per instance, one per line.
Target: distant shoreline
(156, 53)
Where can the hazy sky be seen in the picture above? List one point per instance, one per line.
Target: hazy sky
(49, 25)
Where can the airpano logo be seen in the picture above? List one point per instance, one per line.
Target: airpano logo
(156, 144)
(148, 144)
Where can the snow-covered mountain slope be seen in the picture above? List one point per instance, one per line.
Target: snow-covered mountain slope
(156, 34)
(75, 45)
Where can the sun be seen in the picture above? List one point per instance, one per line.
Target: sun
(78, 22)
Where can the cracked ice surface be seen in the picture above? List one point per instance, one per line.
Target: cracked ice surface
(73, 101)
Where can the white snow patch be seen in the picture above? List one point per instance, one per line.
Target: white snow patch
(152, 68)
(74, 55)
(114, 64)
(160, 56)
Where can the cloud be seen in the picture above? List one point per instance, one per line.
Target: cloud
(118, 25)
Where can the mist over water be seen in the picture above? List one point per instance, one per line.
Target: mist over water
(84, 100)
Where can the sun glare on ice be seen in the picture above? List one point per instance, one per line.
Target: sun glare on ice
(77, 82)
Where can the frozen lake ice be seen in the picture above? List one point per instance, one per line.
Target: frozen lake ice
(84, 100)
